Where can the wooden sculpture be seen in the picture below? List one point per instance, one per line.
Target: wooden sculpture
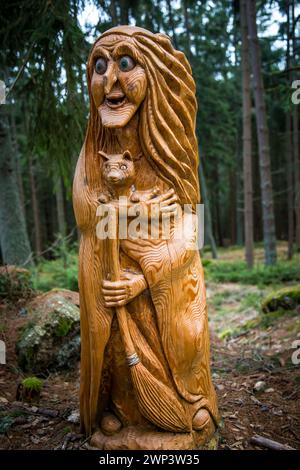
(145, 374)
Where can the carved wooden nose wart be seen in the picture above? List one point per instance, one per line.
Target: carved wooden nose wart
(145, 372)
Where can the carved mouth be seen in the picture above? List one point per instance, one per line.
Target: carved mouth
(115, 100)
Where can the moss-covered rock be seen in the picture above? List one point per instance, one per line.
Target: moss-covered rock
(287, 298)
(50, 340)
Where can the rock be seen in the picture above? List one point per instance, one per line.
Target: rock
(260, 386)
(269, 390)
(287, 298)
(277, 412)
(51, 338)
(74, 417)
(219, 387)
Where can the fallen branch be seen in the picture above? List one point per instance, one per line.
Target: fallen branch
(261, 441)
(35, 410)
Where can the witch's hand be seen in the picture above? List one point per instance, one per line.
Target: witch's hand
(166, 202)
(118, 293)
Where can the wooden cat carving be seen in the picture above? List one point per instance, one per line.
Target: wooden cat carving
(118, 172)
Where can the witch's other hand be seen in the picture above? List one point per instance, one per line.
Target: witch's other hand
(119, 293)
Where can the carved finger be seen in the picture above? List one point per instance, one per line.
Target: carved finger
(172, 199)
(114, 285)
(114, 292)
(115, 298)
(162, 197)
(167, 195)
(172, 208)
(154, 193)
(120, 303)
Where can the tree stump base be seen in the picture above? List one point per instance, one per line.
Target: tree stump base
(148, 438)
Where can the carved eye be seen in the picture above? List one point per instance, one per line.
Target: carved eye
(100, 66)
(126, 63)
(123, 167)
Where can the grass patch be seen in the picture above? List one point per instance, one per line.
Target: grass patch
(260, 275)
(251, 300)
(61, 273)
(218, 299)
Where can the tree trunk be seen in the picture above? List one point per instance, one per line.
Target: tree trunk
(247, 139)
(290, 199)
(288, 143)
(297, 171)
(35, 209)
(15, 246)
(263, 138)
(60, 206)
(187, 29)
(172, 24)
(239, 223)
(113, 13)
(207, 213)
(124, 12)
(15, 149)
(219, 231)
(296, 137)
(232, 204)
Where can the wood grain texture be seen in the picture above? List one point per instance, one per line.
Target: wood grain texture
(144, 296)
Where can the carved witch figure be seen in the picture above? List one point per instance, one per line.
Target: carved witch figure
(141, 131)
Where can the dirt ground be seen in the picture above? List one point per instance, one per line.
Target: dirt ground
(240, 358)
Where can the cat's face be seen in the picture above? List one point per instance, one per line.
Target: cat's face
(118, 170)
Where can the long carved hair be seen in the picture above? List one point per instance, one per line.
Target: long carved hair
(166, 116)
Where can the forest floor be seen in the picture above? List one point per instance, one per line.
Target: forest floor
(247, 347)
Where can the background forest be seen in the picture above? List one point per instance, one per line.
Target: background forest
(245, 57)
(44, 49)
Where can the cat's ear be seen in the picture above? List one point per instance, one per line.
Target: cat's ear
(127, 156)
(104, 155)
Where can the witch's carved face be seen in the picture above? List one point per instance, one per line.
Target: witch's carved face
(118, 84)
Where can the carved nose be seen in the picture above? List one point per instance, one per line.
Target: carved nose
(113, 176)
(110, 78)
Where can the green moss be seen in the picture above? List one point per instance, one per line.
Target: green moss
(287, 299)
(63, 327)
(251, 324)
(32, 383)
(227, 333)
